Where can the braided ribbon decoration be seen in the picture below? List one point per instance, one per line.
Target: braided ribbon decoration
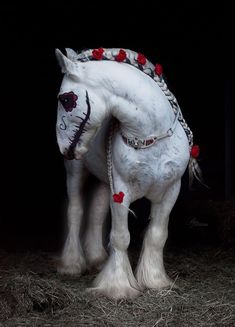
(109, 156)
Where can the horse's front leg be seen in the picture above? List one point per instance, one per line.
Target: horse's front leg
(150, 272)
(93, 241)
(72, 259)
(116, 280)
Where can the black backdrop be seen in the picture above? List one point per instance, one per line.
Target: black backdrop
(191, 40)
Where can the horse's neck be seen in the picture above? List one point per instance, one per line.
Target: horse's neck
(135, 100)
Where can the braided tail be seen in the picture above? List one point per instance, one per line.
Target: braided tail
(195, 172)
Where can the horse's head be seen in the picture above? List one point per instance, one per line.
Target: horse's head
(80, 109)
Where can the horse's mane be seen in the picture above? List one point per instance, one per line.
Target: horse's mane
(131, 59)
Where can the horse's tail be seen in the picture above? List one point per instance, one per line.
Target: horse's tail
(195, 172)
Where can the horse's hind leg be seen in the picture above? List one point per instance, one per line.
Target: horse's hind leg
(150, 272)
(98, 211)
(72, 259)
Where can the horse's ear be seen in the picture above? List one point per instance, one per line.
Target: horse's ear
(67, 66)
(71, 54)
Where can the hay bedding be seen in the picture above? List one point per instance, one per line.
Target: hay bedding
(33, 294)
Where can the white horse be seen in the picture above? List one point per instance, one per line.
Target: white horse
(117, 117)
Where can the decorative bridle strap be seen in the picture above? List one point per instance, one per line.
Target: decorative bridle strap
(138, 143)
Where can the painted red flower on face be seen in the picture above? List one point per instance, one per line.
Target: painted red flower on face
(141, 59)
(195, 151)
(121, 56)
(68, 100)
(98, 53)
(118, 197)
(158, 69)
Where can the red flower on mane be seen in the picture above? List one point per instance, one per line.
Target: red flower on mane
(158, 69)
(98, 53)
(121, 56)
(141, 59)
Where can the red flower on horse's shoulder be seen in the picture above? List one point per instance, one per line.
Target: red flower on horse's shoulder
(118, 197)
(121, 56)
(158, 69)
(141, 59)
(98, 53)
(195, 151)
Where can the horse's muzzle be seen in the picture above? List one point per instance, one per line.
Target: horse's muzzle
(68, 155)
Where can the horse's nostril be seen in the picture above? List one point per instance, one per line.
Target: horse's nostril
(69, 155)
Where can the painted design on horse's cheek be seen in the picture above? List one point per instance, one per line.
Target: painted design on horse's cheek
(68, 100)
(63, 125)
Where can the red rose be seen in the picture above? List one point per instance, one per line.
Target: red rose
(158, 69)
(118, 197)
(121, 56)
(141, 59)
(98, 53)
(195, 151)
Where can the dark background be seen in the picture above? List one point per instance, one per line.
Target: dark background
(192, 41)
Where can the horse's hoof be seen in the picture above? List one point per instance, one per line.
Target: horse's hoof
(75, 268)
(157, 284)
(112, 293)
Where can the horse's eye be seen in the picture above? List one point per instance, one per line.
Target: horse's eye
(62, 99)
